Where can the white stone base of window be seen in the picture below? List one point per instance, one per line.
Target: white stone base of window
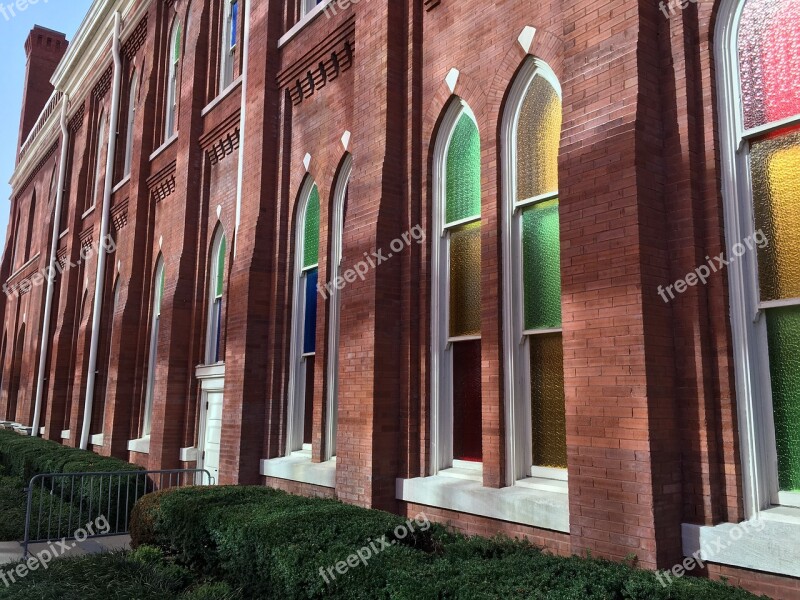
(190, 454)
(298, 467)
(764, 544)
(142, 445)
(65, 434)
(545, 507)
(96, 440)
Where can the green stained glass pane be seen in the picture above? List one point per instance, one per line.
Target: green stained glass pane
(775, 163)
(548, 414)
(463, 172)
(783, 328)
(541, 260)
(220, 267)
(311, 230)
(176, 49)
(465, 280)
(538, 137)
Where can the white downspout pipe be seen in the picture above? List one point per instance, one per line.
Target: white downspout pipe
(101, 252)
(242, 123)
(48, 303)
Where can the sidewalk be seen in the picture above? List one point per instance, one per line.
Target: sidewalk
(12, 551)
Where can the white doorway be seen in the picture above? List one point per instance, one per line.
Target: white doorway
(212, 384)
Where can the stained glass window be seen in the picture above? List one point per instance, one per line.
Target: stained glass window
(463, 171)
(769, 60)
(538, 136)
(539, 132)
(311, 230)
(768, 50)
(217, 289)
(462, 229)
(465, 280)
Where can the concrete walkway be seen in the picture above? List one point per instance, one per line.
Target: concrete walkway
(12, 551)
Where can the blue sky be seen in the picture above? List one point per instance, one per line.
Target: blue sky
(61, 15)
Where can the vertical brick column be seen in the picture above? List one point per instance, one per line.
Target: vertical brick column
(179, 222)
(370, 354)
(254, 350)
(624, 464)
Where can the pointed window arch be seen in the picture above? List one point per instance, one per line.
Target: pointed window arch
(173, 68)
(456, 283)
(534, 369)
(152, 362)
(304, 320)
(759, 75)
(216, 293)
(130, 122)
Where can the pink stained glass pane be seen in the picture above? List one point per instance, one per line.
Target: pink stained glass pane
(769, 60)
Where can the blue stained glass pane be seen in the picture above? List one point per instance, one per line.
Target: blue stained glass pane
(234, 22)
(310, 323)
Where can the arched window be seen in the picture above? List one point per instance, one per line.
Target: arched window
(16, 375)
(230, 32)
(130, 122)
(340, 197)
(215, 294)
(31, 220)
(172, 80)
(152, 362)
(456, 282)
(759, 75)
(99, 167)
(304, 321)
(51, 195)
(534, 369)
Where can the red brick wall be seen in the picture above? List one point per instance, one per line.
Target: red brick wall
(651, 415)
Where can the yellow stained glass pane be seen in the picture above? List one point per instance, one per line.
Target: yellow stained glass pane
(776, 203)
(538, 137)
(465, 280)
(548, 414)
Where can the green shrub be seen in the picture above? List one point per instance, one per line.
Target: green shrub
(24, 457)
(272, 545)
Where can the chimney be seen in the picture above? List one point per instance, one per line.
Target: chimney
(44, 49)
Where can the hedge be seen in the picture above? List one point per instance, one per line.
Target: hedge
(117, 576)
(24, 457)
(272, 544)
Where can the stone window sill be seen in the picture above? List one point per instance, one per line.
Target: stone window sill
(298, 467)
(529, 502)
(761, 544)
(142, 445)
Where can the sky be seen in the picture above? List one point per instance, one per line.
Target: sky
(61, 15)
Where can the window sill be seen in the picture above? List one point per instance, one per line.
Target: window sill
(190, 454)
(65, 434)
(121, 184)
(221, 96)
(302, 23)
(298, 467)
(520, 503)
(142, 445)
(96, 440)
(89, 211)
(765, 549)
(164, 146)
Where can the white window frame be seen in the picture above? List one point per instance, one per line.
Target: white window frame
(213, 328)
(227, 51)
(297, 364)
(441, 427)
(335, 309)
(99, 168)
(170, 122)
(748, 323)
(131, 120)
(516, 347)
(155, 323)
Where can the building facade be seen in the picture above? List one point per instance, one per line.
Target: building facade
(530, 267)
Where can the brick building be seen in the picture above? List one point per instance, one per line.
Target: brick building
(530, 267)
